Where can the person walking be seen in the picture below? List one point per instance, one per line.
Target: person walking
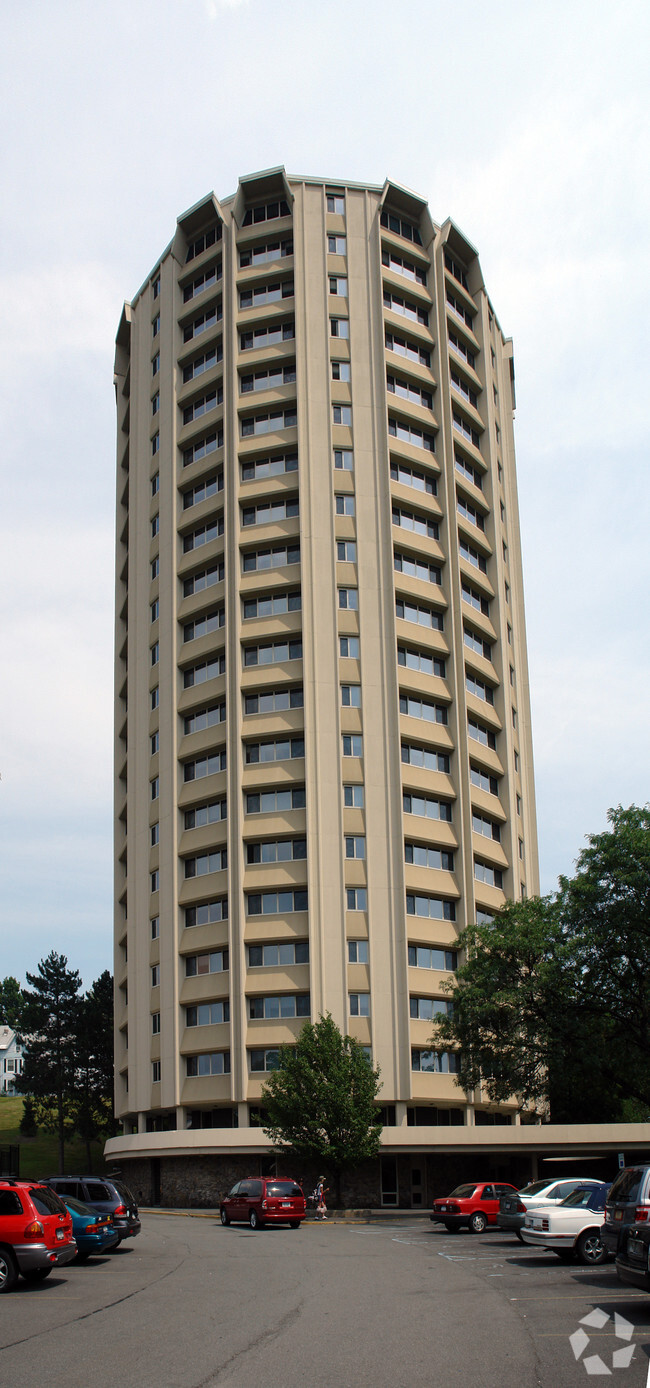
(321, 1191)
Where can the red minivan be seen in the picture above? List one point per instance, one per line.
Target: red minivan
(270, 1200)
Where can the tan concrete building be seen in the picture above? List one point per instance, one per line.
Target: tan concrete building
(323, 745)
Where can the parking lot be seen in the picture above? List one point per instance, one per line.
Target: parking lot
(191, 1304)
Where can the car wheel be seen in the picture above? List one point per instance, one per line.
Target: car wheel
(8, 1271)
(477, 1223)
(37, 1274)
(294, 1223)
(225, 1217)
(590, 1249)
(254, 1220)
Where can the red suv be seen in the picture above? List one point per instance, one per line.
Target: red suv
(35, 1232)
(471, 1206)
(274, 1200)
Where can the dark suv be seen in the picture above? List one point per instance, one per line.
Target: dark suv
(35, 1232)
(106, 1194)
(628, 1203)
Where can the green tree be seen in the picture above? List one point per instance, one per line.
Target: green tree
(11, 1002)
(50, 1026)
(320, 1102)
(28, 1124)
(554, 996)
(93, 1103)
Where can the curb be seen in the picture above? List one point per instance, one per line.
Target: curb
(334, 1216)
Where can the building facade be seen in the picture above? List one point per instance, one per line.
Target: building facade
(11, 1059)
(323, 745)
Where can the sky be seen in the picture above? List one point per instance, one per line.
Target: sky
(528, 124)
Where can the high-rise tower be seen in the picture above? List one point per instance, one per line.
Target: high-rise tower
(323, 747)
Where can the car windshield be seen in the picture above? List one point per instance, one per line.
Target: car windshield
(535, 1187)
(464, 1192)
(284, 1188)
(626, 1186)
(79, 1207)
(124, 1190)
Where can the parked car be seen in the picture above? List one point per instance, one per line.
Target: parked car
(512, 1208)
(472, 1206)
(106, 1194)
(35, 1232)
(572, 1228)
(633, 1257)
(628, 1203)
(271, 1200)
(93, 1232)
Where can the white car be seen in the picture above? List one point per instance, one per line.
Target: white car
(572, 1227)
(513, 1207)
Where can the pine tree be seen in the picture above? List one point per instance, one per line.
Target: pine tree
(49, 1026)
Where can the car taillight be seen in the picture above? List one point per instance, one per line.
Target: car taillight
(641, 1214)
(121, 1210)
(544, 1224)
(521, 1207)
(34, 1230)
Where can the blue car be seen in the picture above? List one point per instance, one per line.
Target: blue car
(92, 1232)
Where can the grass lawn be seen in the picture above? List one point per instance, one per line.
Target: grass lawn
(39, 1155)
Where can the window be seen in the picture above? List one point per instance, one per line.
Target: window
(408, 433)
(260, 1061)
(272, 652)
(407, 348)
(353, 797)
(206, 280)
(216, 962)
(210, 487)
(410, 477)
(216, 861)
(351, 695)
(155, 567)
(265, 252)
(457, 345)
(155, 787)
(154, 610)
(276, 604)
(349, 647)
(203, 322)
(474, 599)
(407, 390)
(209, 912)
(470, 512)
(155, 1023)
(210, 813)
(415, 521)
(276, 850)
(482, 780)
(463, 427)
(460, 385)
(269, 467)
(274, 700)
(209, 443)
(268, 336)
(154, 834)
(155, 1071)
(266, 293)
(340, 370)
(155, 653)
(514, 717)
(266, 212)
(215, 1063)
(356, 899)
(344, 505)
(419, 614)
(203, 242)
(485, 872)
(422, 856)
(155, 403)
(406, 307)
(480, 734)
(205, 670)
(203, 626)
(480, 690)
(270, 379)
(343, 457)
(357, 951)
(346, 551)
(155, 975)
(424, 957)
(425, 1009)
(155, 285)
(459, 309)
(203, 404)
(412, 755)
(155, 927)
(155, 484)
(349, 599)
(352, 745)
(441, 1063)
(427, 806)
(205, 766)
(475, 642)
(280, 1005)
(483, 917)
(275, 749)
(276, 558)
(336, 203)
(432, 906)
(204, 362)
(521, 848)
(270, 801)
(472, 555)
(416, 568)
(342, 414)
(269, 421)
(276, 903)
(336, 245)
(205, 718)
(155, 743)
(400, 266)
(155, 325)
(155, 881)
(355, 846)
(338, 284)
(400, 227)
(420, 660)
(486, 827)
(466, 470)
(359, 1004)
(208, 1014)
(270, 512)
(518, 804)
(339, 327)
(155, 525)
(280, 955)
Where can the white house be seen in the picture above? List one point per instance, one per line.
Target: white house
(11, 1059)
